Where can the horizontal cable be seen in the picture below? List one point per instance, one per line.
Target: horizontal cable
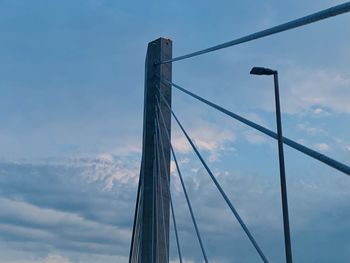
(234, 211)
(321, 15)
(168, 185)
(184, 189)
(314, 154)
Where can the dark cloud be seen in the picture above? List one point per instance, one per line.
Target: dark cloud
(61, 205)
(318, 213)
(70, 207)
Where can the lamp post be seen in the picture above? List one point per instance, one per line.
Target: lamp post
(287, 242)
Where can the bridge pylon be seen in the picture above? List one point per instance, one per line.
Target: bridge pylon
(150, 239)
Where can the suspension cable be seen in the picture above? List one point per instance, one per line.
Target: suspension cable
(185, 192)
(135, 221)
(160, 188)
(140, 233)
(135, 246)
(155, 211)
(293, 144)
(169, 190)
(309, 19)
(234, 211)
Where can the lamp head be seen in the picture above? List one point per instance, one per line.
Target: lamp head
(262, 71)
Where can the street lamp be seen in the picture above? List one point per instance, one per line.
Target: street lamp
(287, 242)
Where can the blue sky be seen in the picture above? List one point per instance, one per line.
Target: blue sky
(71, 104)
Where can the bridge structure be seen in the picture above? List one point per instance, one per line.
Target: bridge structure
(154, 208)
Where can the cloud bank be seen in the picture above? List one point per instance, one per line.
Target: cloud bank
(58, 212)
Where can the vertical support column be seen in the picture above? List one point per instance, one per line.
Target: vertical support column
(154, 245)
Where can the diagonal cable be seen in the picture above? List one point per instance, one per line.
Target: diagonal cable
(160, 189)
(186, 195)
(293, 144)
(169, 190)
(315, 17)
(134, 250)
(154, 214)
(234, 211)
(138, 229)
(131, 254)
(140, 234)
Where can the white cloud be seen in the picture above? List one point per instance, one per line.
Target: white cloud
(255, 197)
(183, 260)
(311, 129)
(172, 167)
(54, 259)
(107, 168)
(53, 210)
(51, 258)
(315, 90)
(255, 137)
(320, 112)
(207, 137)
(58, 258)
(180, 143)
(322, 147)
(43, 222)
(255, 118)
(107, 157)
(128, 147)
(302, 141)
(111, 170)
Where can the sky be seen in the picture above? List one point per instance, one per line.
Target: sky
(71, 105)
